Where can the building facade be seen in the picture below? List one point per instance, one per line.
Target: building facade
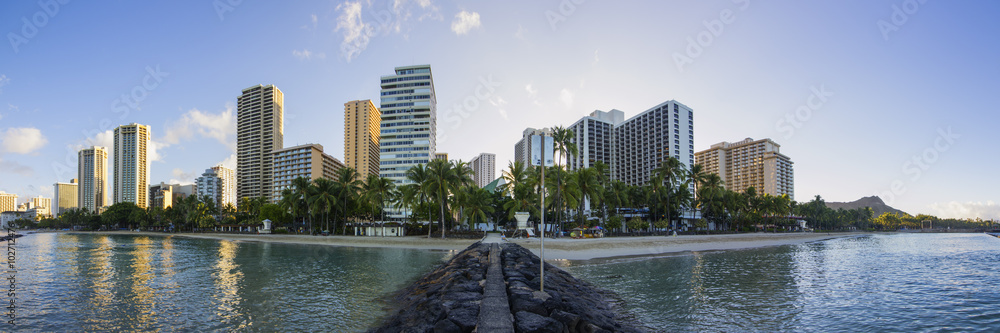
(210, 185)
(65, 197)
(756, 163)
(164, 195)
(92, 171)
(642, 142)
(42, 205)
(228, 192)
(131, 164)
(260, 131)
(483, 169)
(593, 136)
(522, 149)
(441, 156)
(409, 121)
(361, 137)
(307, 161)
(8, 202)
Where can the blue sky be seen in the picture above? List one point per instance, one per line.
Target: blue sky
(886, 98)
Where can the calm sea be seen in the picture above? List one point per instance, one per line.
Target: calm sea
(69, 283)
(877, 283)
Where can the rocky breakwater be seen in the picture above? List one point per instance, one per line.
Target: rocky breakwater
(567, 304)
(446, 299)
(450, 298)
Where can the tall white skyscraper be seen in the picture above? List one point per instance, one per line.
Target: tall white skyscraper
(593, 136)
(92, 170)
(228, 178)
(259, 132)
(642, 142)
(131, 164)
(409, 120)
(483, 168)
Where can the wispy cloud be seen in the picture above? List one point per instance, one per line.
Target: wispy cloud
(307, 55)
(499, 103)
(23, 140)
(183, 178)
(596, 58)
(313, 23)
(356, 32)
(14, 168)
(465, 22)
(521, 31)
(219, 126)
(532, 92)
(566, 96)
(4, 80)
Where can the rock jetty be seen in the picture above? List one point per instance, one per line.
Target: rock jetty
(452, 297)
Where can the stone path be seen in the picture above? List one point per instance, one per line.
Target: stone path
(494, 311)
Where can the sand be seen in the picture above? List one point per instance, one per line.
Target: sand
(555, 249)
(593, 248)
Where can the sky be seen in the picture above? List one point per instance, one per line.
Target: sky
(887, 98)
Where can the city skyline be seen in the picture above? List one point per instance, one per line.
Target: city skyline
(837, 85)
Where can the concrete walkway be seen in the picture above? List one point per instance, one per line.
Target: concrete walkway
(494, 311)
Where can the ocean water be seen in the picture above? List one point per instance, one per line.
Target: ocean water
(85, 282)
(875, 283)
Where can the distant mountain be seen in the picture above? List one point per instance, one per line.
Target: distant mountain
(878, 206)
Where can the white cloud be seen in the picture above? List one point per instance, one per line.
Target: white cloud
(306, 54)
(12, 107)
(23, 140)
(357, 33)
(153, 153)
(532, 92)
(596, 59)
(465, 22)
(229, 162)
(4, 80)
(566, 97)
(954, 209)
(221, 127)
(499, 102)
(520, 32)
(313, 22)
(183, 178)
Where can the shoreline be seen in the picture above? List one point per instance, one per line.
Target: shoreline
(555, 249)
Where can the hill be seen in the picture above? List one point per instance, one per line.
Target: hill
(876, 203)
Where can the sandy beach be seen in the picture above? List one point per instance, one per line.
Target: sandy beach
(593, 248)
(555, 249)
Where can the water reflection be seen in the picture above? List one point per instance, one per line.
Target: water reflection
(101, 273)
(143, 298)
(227, 285)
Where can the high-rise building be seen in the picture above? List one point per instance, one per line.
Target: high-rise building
(522, 149)
(757, 163)
(593, 136)
(8, 202)
(483, 168)
(361, 137)
(307, 161)
(131, 164)
(92, 170)
(210, 185)
(42, 205)
(228, 178)
(409, 120)
(642, 142)
(260, 131)
(65, 197)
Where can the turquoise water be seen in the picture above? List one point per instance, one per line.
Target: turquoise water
(877, 283)
(70, 282)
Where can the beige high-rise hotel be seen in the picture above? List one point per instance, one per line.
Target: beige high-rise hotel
(65, 197)
(757, 163)
(259, 132)
(361, 137)
(308, 161)
(92, 170)
(132, 164)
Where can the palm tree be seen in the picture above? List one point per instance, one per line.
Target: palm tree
(564, 140)
(711, 196)
(415, 192)
(477, 202)
(588, 185)
(443, 180)
(303, 187)
(670, 172)
(347, 186)
(378, 192)
(322, 197)
(565, 191)
(516, 174)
